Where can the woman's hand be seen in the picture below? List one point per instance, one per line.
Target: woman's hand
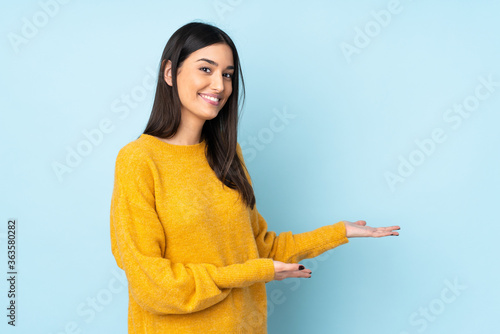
(359, 229)
(285, 270)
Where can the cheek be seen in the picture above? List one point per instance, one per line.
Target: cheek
(186, 91)
(187, 83)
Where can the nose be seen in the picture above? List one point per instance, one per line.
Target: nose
(217, 83)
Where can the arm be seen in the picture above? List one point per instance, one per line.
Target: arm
(292, 248)
(138, 242)
(287, 247)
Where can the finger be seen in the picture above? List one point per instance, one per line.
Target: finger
(360, 222)
(388, 228)
(296, 274)
(381, 232)
(304, 272)
(386, 234)
(294, 267)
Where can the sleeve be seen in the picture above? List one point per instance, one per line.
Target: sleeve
(157, 284)
(292, 248)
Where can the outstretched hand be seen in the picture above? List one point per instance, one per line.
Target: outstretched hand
(287, 270)
(359, 229)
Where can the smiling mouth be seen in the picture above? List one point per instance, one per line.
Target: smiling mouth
(212, 100)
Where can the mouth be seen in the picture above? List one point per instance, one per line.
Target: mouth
(210, 99)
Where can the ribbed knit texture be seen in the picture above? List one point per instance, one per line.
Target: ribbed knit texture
(196, 258)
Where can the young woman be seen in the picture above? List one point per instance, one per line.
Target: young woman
(184, 223)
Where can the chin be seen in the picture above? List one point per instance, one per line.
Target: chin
(209, 116)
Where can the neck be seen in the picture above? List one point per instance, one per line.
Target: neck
(188, 133)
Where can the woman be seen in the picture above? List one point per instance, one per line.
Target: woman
(184, 224)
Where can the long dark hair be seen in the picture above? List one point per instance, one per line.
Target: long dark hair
(219, 133)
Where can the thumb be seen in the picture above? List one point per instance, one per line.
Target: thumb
(293, 267)
(360, 222)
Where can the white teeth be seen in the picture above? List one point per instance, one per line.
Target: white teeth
(210, 98)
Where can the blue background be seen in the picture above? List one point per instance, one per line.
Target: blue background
(363, 92)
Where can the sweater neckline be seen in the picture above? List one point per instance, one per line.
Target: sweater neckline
(160, 144)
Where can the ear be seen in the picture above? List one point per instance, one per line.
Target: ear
(167, 73)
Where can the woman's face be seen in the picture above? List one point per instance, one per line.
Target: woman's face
(204, 81)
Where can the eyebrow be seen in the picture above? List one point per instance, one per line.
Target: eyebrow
(214, 63)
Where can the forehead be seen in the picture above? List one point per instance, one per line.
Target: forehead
(220, 53)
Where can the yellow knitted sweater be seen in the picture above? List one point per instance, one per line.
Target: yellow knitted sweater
(196, 258)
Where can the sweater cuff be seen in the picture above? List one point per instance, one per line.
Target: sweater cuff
(244, 274)
(260, 270)
(341, 232)
(263, 269)
(268, 270)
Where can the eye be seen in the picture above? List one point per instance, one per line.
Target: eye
(207, 70)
